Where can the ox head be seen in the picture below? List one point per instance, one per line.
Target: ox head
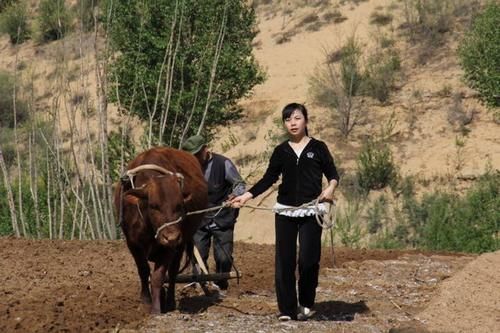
(162, 204)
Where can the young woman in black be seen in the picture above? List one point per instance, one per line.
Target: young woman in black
(301, 161)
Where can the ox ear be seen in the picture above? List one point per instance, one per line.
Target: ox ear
(133, 196)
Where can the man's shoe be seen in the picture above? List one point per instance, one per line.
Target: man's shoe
(304, 313)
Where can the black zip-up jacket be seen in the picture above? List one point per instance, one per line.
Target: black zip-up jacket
(301, 177)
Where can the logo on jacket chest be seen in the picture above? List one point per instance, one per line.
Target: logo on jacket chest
(310, 154)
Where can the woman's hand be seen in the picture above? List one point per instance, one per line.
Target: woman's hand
(327, 194)
(240, 200)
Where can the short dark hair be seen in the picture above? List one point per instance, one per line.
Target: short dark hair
(288, 110)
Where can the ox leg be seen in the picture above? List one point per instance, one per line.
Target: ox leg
(173, 269)
(157, 291)
(144, 271)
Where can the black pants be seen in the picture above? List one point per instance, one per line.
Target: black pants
(309, 234)
(222, 249)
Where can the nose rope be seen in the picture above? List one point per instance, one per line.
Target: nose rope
(163, 226)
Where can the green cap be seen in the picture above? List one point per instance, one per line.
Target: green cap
(194, 144)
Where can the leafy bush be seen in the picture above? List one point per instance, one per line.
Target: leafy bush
(7, 103)
(380, 74)
(428, 20)
(336, 86)
(377, 215)
(479, 54)
(53, 19)
(376, 168)
(5, 3)
(14, 22)
(347, 225)
(444, 221)
(31, 208)
(115, 148)
(85, 13)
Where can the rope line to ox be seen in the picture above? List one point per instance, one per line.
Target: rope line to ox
(324, 222)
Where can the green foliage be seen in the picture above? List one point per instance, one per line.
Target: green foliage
(30, 207)
(116, 147)
(7, 102)
(427, 20)
(377, 215)
(335, 87)
(350, 67)
(167, 42)
(444, 221)
(5, 3)
(14, 22)
(380, 74)
(376, 168)
(479, 54)
(387, 240)
(53, 19)
(347, 225)
(84, 11)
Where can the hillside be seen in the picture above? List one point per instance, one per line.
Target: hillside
(423, 116)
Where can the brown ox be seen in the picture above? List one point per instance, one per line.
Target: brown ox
(145, 206)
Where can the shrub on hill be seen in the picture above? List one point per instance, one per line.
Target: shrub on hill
(7, 110)
(380, 74)
(53, 20)
(479, 54)
(5, 3)
(376, 168)
(84, 11)
(444, 221)
(335, 86)
(14, 22)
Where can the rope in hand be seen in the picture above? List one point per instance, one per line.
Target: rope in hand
(325, 221)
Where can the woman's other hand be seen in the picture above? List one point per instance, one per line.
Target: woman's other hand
(327, 194)
(240, 200)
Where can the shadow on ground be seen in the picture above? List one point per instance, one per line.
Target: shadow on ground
(338, 311)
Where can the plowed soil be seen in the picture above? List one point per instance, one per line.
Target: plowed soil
(75, 286)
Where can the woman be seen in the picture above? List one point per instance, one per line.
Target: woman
(301, 161)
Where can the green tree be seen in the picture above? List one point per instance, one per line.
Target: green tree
(479, 54)
(14, 22)
(183, 64)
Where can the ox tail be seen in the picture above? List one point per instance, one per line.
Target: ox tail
(188, 251)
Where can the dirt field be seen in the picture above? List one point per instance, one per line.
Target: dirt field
(74, 286)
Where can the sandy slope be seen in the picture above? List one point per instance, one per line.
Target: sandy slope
(426, 148)
(469, 301)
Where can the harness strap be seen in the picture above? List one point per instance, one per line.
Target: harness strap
(132, 172)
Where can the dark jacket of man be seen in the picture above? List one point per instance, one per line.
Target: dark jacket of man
(223, 179)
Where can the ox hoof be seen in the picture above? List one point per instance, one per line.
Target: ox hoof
(155, 312)
(146, 299)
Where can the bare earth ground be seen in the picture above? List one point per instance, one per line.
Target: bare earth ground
(53, 286)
